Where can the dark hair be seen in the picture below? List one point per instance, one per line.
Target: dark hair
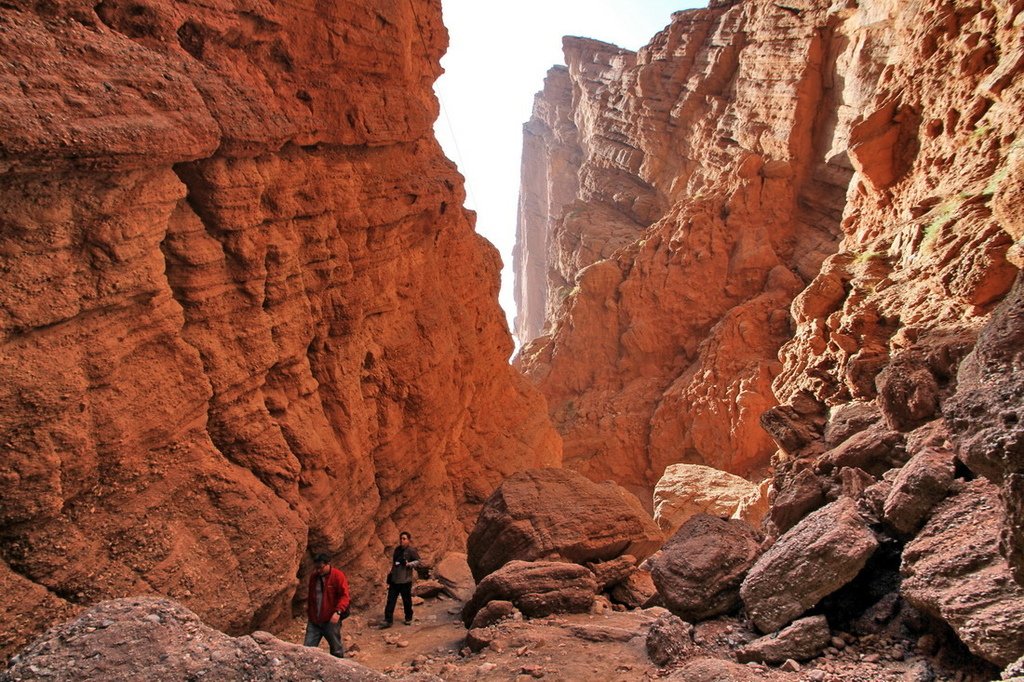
(321, 559)
(406, 534)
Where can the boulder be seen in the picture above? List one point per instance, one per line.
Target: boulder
(922, 482)
(823, 552)
(688, 489)
(157, 639)
(803, 494)
(908, 393)
(610, 573)
(802, 640)
(636, 591)
(535, 588)
(427, 589)
(478, 639)
(934, 434)
(453, 572)
(754, 507)
(493, 612)
(708, 669)
(986, 415)
(699, 570)
(875, 450)
(848, 419)
(1015, 671)
(669, 639)
(558, 514)
(953, 571)
(850, 482)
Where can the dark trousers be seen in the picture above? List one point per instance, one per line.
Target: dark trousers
(395, 589)
(331, 631)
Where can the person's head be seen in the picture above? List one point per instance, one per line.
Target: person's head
(404, 538)
(321, 564)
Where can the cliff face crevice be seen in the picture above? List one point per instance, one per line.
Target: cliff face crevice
(826, 193)
(232, 332)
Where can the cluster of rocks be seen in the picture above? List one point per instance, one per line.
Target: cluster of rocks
(878, 532)
(551, 541)
(880, 506)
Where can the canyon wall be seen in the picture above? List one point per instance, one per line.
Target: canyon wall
(775, 202)
(231, 329)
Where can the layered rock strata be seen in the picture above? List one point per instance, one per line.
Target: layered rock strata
(797, 204)
(231, 328)
(704, 207)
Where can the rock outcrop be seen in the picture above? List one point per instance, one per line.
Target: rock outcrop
(554, 514)
(800, 221)
(243, 314)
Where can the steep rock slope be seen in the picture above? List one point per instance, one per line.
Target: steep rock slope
(231, 329)
(775, 201)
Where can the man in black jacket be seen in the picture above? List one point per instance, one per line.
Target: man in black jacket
(404, 559)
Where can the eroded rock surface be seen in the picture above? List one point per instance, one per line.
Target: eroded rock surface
(954, 571)
(823, 552)
(685, 490)
(153, 638)
(699, 570)
(986, 416)
(866, 196)
(241, 306)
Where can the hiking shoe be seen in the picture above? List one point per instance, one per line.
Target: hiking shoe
(385, 625)
(408, 621)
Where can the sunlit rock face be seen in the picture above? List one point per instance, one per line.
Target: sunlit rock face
(243, 314)
(806, 204)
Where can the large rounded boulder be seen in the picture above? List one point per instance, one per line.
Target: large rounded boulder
(699, 571)
(558, 515)
(537, 589)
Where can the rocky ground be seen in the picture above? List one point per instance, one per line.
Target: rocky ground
(613, 646)
(123, 639)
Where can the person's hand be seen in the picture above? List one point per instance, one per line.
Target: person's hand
(335, 618)
(414, 563)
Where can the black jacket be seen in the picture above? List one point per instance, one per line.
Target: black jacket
(400, 572)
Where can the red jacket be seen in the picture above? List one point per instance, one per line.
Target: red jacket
(336, 596)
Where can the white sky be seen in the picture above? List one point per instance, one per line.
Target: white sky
(496, 62)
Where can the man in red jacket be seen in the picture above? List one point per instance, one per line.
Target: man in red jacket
(327, 600)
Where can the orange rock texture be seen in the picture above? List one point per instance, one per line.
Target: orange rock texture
(243, 315)
(776, 203)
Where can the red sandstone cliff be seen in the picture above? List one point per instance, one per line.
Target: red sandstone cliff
(775, 202)
(231, 327)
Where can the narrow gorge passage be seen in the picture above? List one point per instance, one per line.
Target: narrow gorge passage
(760, 418)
